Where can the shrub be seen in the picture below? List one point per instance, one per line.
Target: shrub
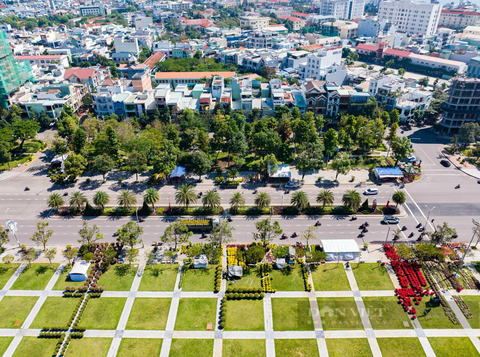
(219, 180)
(222, 324)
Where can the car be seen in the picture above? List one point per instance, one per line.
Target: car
(371, 191)
(390, 220)
(412, 159)
(120, 260)
(291, 184)
(445, 163)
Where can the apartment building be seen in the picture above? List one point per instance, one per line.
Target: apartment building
(297, 22)
(340, 9)
(255, 22)
(320, 61)
(458, 18)
(473, 69)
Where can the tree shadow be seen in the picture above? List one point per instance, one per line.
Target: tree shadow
(44, 214)
(122, 270)
(92, 185)
(42, 269)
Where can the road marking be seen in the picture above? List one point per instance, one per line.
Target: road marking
(433, 162)
(419, 208)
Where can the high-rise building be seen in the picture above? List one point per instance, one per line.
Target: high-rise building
(410, 16)
(340, 9)
(12, 73)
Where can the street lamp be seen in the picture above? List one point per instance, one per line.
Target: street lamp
(12, 226)
(388, 224)
(477, 224)
(429, 211)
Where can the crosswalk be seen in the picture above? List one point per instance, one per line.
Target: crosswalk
(28, 172)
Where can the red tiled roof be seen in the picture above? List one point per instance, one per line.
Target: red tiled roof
(291, 18)
(396, 53)
(460, 12)
(300, 14)
(371, 48)
(44, 57)
(192, 75)
(82, 73)
(153, 59)
(312, 47)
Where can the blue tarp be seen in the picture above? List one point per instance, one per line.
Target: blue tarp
(388, 172)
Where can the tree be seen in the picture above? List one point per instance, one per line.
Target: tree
(325, 197)
(255, 254)
(59, 146)
(330, 141)
(131, 256)
(129, 233)
(444, 233)
(176, 233)
(262, 200)
(89, 234)
(101, 198)
(4, 239)
(77, 200)
(211, 199)
(236, 145)
(113, 143)
(50, 254)
(5, 155)
(185, 195)
(469, 133)
(341, 164)
(267, 231)
(424, 81)
(399, 198)
(25, 129)
(103, 164)
(401, 147)
(42, 235)
(201, 163)
(87, 100)
(151, 196)
(198, 54)
(299, 200)
(29, 255)
(394, 116)
(70, 253)
(75, 165)
(55, 201)
(308, 234)
(222, 234)
(237, 200)
(79, 140)
(310, 158)
(404, 251)
(401, 72)
(8, 259)
(126, 199)
(351, 199)
(137, 163)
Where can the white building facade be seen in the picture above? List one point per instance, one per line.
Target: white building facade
(340, 9)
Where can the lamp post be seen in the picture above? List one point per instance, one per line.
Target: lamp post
(388, 224)
(141, 237)
(429, 211)
(477, 224)
(12, 226)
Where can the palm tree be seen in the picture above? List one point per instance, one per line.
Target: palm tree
(236, 201)
(55, 201)
(100, 199)
(77, 200)
(126, 199)
(325, 197)
(151, 196)
(351, 199)
(299, 200)
(399, 198)
(185, 195)
(262, 200)
(211, 199)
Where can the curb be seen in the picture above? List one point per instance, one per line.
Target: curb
(457, 167)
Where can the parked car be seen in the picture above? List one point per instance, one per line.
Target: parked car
(445, 163)
(412, 159)
(390, 220)
(371, 191)
(291, 184)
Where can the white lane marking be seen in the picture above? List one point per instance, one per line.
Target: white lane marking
(418, 208)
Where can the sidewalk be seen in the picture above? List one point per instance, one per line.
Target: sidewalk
(467, 168)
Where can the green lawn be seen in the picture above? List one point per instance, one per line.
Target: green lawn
(55, 311)
(371, 276)
(250, 279)
(473, 303)
(339, 314)
(195, 314)
(4, 343)
(296, 348)
(191, 348)
(289, 280)
(90, 346)
(118, 278)
(401, 346)
(386, 313)
(15, 308)
(35, 347)
(243, 348)
(140, 347)
(161, 278)
(245, 315)
(6, 272)
(453, 346)
(341, 347)
(291, 314)
(103, 313)
(436, 318)
(199, 279)
(149, 314)
(330, 277)
(35, 277)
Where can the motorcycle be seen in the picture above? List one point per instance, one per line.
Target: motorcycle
(354, 218)
(199, 194)
(287, 192)
(27, 189)
(140, 219)
(418, 225)
(361, 226)
(254, 191)
(365, 230)
(229, 219)
(419, 239)
(204, 235)
(458, 186)
(411, 235)
(366, 224)
(317, 224)
(361, 235)
(65, 193)
(404, 228)
(294, 235)
(284, 236)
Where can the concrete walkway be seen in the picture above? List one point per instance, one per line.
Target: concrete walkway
(317, 319)
(268, 321)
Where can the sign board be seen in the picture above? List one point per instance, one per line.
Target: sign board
(12, 226)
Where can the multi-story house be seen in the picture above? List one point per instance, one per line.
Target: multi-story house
(340, 9)
(315, 97)
(255, 22)
(458, 18)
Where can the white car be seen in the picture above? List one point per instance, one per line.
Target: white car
(290, 184)
(390, 220)
(371, 191)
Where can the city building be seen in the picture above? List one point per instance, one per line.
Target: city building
(188, 78)
(99, 9)
(325, 65)
(297, 22)
(255, 22)
(458, 18)
(473, 69)
(87, 76)
(340, 9)
(45, 59)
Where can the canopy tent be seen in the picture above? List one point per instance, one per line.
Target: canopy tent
(385, 173)
(283, 174)
(280, 263)
(200, 262)
(340, 249)
(235, 270)
(79, 271)
(178, 171)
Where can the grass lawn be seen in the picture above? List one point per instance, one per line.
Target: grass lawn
(149, 314)
(140, 347)
(341, 347)
(35, 277)
(296, 348)
(15, 308)
(103, 313)
(90, 346)
(245, 315)
(195, 314)
(161, 278)
(55, 311)
(289, 280)
(4, 343)
(35, 347)
(330, 277)
(118, 278)
(436, 318)
(371, 276)
(199, 279)
(386, 313)
(6, 272)
(453, 346)
(473, 303)
(339, 314)
(243, 348)
(291, 314)
(401, 346)
(250, 279)
(191, 348)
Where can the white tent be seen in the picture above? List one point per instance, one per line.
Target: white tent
(200, 262)
(348, 249)
(235, 270)
(79, 271)
(280, 263)
(178, 171)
